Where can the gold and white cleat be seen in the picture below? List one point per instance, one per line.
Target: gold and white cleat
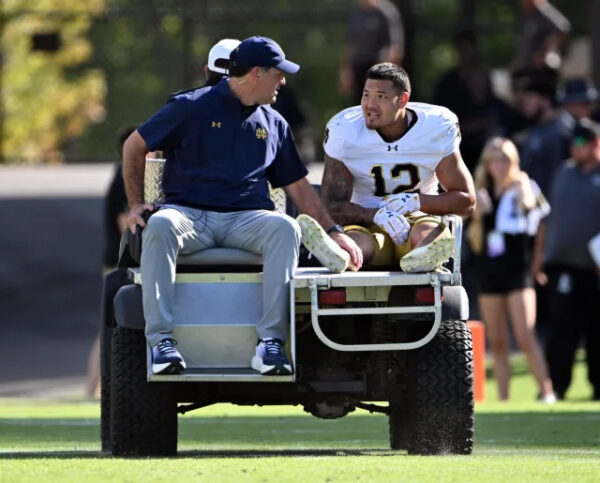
(435, 250)
(322, 246)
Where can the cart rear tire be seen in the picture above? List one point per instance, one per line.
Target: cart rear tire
(440, 395)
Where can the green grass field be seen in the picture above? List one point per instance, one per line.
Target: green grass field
(520, 440)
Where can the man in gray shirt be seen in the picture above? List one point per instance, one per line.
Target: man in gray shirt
(569, 270)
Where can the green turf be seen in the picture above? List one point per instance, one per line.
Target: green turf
(520, 440)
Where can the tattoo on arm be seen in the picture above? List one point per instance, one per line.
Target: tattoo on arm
(337, 183)
(336, 192)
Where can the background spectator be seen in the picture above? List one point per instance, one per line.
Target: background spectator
(569, 269)
(509, 207)
(542, 35)
(578, 97)
(115, 209)
(548, 144)
(467, 91)
(218, 61)
(534, 93)
(375, 34)
(288, 106)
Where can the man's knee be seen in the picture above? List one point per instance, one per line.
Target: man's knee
(286, 229)
(158, 226)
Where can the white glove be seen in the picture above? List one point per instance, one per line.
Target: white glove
(394, 224)
(402, 203)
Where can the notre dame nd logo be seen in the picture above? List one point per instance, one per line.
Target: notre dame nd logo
(261, 133)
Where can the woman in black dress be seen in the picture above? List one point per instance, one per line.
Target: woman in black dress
(509, 209)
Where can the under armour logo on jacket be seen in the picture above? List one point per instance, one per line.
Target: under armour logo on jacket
(395, 148)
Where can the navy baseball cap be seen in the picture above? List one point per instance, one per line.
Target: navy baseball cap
(578, 90)
(262, 52)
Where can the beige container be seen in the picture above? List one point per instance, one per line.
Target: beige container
(153, 175)
(278, 198)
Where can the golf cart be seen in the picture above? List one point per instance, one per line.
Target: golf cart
(381, 341)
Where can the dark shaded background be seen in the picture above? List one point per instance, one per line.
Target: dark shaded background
(50, 274)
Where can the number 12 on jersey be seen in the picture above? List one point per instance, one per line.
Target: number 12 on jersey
(397, 171)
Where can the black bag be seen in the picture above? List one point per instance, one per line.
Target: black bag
(130, 248)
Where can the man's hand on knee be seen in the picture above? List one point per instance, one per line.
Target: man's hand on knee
(348, 244)
(135, 218)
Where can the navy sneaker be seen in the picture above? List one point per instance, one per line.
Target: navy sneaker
(166, 359)
(270, 359)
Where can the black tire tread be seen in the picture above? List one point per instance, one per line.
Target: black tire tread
(143, 415)
(440, 413)
(105, 413)
(105, 354)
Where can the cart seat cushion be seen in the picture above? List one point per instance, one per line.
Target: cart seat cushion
(220, 256)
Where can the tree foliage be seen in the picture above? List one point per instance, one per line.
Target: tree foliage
(48, 97)
(144, 50)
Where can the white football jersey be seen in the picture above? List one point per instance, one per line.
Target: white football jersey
(380, 168)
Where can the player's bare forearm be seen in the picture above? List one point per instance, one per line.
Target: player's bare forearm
(336, 192)
(306, 199)
(455, 202)
(134, 162)
(346, 213)
(459, 198)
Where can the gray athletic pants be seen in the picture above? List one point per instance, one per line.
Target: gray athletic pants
(178, 229)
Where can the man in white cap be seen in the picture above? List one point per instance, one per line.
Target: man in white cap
(217, 66)
(218, 60)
